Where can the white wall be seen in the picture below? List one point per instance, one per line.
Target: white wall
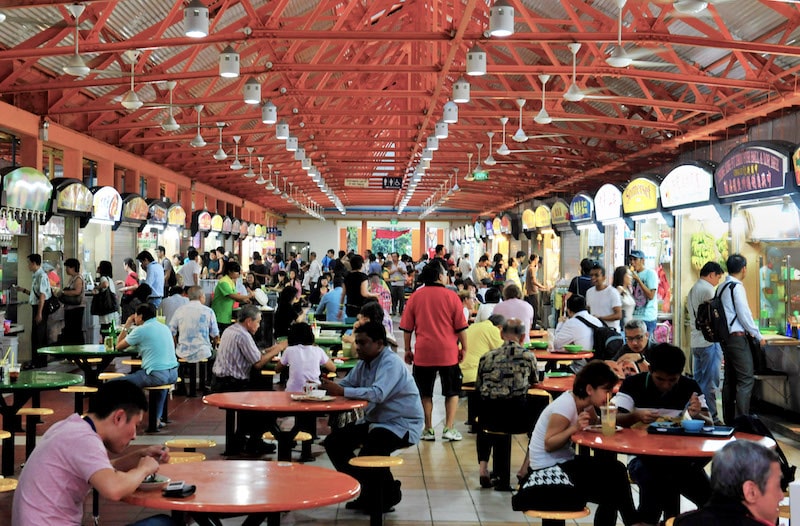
(321, 234)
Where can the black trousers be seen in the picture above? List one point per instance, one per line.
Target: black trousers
(662, 480)
(342, 443)
(72, 334)
(38, 338)
(398, 298)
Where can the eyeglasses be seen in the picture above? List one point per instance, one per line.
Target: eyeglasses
(637, 338)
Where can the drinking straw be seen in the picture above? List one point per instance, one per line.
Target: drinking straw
(5, 357)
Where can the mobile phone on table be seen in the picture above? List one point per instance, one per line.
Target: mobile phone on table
(176, 485)
(179, 490)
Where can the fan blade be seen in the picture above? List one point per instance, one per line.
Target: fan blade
(650, 64)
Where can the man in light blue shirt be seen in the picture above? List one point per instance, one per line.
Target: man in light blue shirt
(154, 278)
(393, 418)
(194, 327)
(737, 387)
(157, 349)
(330, 305)
(645, 286)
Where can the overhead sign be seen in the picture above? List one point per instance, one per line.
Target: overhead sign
(750, 170)
(497, 227)
(176, 216)
(357, 183)
(26, 188)
(641, 195)
(559, 213)
(107, 204)
(581, 208)
(542, 217)
(392, 183)
(528, 219)
(482, 175)
(686, 184)
(607, 203)
(216, 223)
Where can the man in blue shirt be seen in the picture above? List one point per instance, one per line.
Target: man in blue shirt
(330, 305)
(156, 346)
(154, 278)
(645, 286)
(392, 420)
(327, 261)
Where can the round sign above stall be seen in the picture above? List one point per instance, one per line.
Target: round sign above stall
(134, 208)
(216, 223)
(106, 204)
(581, 208)
(497, 226)
(641, 195)
(488, 229)
(236, 228)
(176, 216)
(686, 184)
(505, 224)
(542, 217)
(243, 230)
(559, 213)
(251, 230)
(607, 203)
(476, 230)
(528, 219)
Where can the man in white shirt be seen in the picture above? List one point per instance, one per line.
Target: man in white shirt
(572, 330)
(603, 302)
(464, 266)
(190, 271)
(737, 387)
(314, 272)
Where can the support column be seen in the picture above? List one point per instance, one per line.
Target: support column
(362, 237)
(73, 164)
(105, 172)
(31, 152)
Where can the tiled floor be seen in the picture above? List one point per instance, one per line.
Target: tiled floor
(440, 479)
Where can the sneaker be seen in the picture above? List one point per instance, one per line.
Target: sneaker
(428, 434)
(451, 434)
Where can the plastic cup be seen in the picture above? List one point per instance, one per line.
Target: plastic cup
(540, 369)
(13, 373)
(608, 419)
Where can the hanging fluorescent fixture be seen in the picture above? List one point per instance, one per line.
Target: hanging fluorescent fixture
(299, 154)
(195, 20)
(461, 91)
(252, 91)
(432, 143)
(229, 63)
(501, 19)
(269, 113)
(476, 62)
(427, 154)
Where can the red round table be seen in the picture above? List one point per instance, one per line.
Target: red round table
(555, 356)
(247, 487)
(277, 404)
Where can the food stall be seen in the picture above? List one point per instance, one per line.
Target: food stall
(570, 241)
(759, 181)
(172, 235)
(199, 229)
(701, 231)
(548, 245)
(608, 213)
(126, 231)
(214, 237)
(581, 215)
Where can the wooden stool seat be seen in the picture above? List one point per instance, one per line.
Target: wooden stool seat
(152, 411)
(32, 415)
(8, 485)
(190, 444)
(35, 411)
(266, 372)
(94, 360)
(301, 436)
(331, 375)
(165, 387)
(552, 518)
(4, 434)
(80, 392)
(185, 457)
(131, 361)
(467, 387)
(375, 462)
(104, 377)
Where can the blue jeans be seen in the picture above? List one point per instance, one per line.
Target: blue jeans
(156, 520)
(651, 327)
(706, 362)
(142, 379)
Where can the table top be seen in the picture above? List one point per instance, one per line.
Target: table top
(42, 380)
(640, 442)
(279, 401)
(334, 324)
(249, 486)
(85, 350)
(556, 385)
(547, 355)
(328, 340)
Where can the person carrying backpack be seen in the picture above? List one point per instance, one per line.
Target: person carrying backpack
(577, 329)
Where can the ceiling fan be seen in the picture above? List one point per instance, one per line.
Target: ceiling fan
(574, 93)
(544, 118)
(620, 58)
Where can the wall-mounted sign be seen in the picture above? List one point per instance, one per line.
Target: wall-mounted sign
(216, 223)
(107, 204)
(157, 214)
(227, 225)
(641, 195)
(497, 226)
(559, 213)
(686, 184)
(477, 230)
(72, 196)
(581, 208)
(751, 170)
(259, 231)
(26, 188)
(243, 226)
(528, 219)
(176, 216)
(542, 217)
(236, 228)
(488, 228)
(607, 203)
(134, 209)
(505, 224)
(251, 230)
(204, 221)
(356, 183)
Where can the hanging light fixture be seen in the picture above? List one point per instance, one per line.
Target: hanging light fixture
(306, 165)
(270, 187)
(236, 164)
(198, 141)
(75, 66)
(291, 144)
(252, 91)
(461, 91)
(432, 143)
(501, 19)
(299, 154)
(282, 130)
(195, 20)
(277, 190)
(220, 154)
(476, 62)
(450, 113)
(250, 173)
(229, 63)
(503, 148)
(441, 129)
(490, 160)
(427, 154)
(260, 179)
(269, 113)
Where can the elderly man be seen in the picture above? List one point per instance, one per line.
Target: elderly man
(504, 376)
(157, 349)
(513, 306)
(632, 358)
(236, 357)
(73, 457)
(745, 488)
(194, 327)
(154, 277)
(392, 420)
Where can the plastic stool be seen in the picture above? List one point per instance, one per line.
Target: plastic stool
(372, 462)
(557, 518)
(152, 417)
(190, 445)
(80, 392)
(32, 415)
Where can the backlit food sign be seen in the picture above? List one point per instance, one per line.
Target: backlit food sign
(559, 213)
(26, 188)
(686, 184)
(158, 214)
(227, 225)
(216, 223)
(176, 216)
(581, 208)
(497, 226)
(607, 203)
(641, 195)
(75, 198)
(542, 217)
(107, 204)
(135, 209)
(528, 219)
(204, 222)
(751, 170)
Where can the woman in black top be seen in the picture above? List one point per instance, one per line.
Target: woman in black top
(356, 287)
(287, 312)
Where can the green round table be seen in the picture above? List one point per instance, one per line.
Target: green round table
(30, 383)
(328, 341)
(80, 355)
(334, 325)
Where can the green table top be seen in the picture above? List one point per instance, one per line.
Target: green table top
(85, 349)
(334, 325)
(328, 340)
(346, 365)
(42, 380)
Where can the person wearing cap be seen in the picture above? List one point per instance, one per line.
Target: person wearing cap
(645, 285)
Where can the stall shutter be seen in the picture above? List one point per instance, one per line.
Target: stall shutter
(570, 253)
(123, 245)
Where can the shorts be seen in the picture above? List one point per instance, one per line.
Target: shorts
(450, 375)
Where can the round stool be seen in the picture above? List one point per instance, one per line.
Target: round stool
(134, 363)
(8, 485)
(152, 411)
(556, 518)
(300, 436)
(190, 444)
(373, 462)
(80, 392)
(32, 414)
(185, 457)
(104, 377)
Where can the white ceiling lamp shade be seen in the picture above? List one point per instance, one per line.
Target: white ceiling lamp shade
(299, 154)
(250, 173)
(252, 91)
(432, 143)
(476, 62)
(260, 179)
(236, 164)
(75, 65)
(450, 112)
(501, 19)
(269, 113)
(427, 154)
(270, 187)
(461, 91)
(170, 124)
(503, 148)
(519, 135)
(425, 164)
(229, 63)
(441, 131)
(490, 161)
(195, 20)
(306, 165)
(131, 100)
(198, 141)
(689, 7)
(291, 144)
(220, 154)
(282, 130)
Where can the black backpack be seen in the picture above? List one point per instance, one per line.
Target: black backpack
(755, 426)
(710, 317)
(607, 341)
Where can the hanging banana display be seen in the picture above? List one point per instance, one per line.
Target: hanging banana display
(706, 247)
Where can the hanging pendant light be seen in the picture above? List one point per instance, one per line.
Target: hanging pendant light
(307, 165)
(501, 19)
(131, 100)
(461, 91)
(198, 141)
(252, 91)
(291, 144)
(282, 130)
(250, 173)
(220, 154)
(195, 20)
(441, 129)
(269, 113)
(75, 65)
(450, 113)
(260, 179)
(237, 164)
(476, 62)
(427, 154)
(299, 154)
(433, 143)
(270, 187)
(229, 63)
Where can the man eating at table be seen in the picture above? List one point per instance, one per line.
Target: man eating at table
(72, 457)
(664, 394)
(392, 420)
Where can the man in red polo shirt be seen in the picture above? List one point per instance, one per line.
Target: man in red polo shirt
(435, 315)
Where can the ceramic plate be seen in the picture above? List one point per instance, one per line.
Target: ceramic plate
(597, 428)
(307, 398)
(160, 482)
(557, 374)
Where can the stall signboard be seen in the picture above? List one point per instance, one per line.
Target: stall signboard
(581, 208)
(176, 216)
(72, 197)
(559, 213)
(641, 195)
(203, 220)
(106, 204)
(227, 226)
(134, 209)
(488, 228)
(542, 217)
(477, 230)
(157, 213)
(243, 228)
(751, 169)
(607, 203)
(505, 224)
(236, 228)
(147, 241)
(216, 223)
(26, 188)
(259, 231)
(497, 226)
(269, 245)
(686, 184)
(251, 230)
(528, 219)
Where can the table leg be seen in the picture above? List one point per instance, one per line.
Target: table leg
(8, 443)
(285, 440)
(230, 431)
(274, 519)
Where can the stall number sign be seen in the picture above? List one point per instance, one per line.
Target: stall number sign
(392, 183)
